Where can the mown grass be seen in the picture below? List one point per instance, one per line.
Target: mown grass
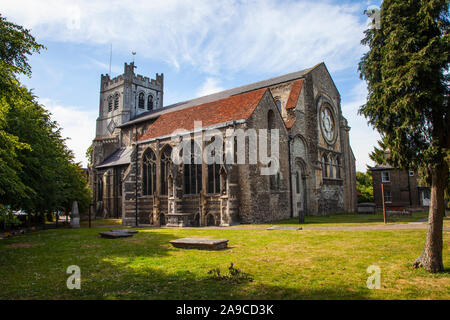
(307, 264)
(348, 219)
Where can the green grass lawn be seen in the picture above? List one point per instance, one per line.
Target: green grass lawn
(349, 219)
(307, 264)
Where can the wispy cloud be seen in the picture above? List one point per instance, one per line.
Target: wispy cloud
(213, 36)
(77, 125)
(211, 85)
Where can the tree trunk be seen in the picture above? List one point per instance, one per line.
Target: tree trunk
(431, 257)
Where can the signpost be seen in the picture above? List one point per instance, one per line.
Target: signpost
(384, 205)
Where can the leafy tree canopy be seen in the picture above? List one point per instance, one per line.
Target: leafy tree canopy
(37, 170)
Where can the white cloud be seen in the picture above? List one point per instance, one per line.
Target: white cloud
(211, 85)
(213, 36)
(76, 124)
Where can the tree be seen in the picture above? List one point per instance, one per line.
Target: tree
(37, 170)
(16, 43)
(364, 186)
(406, 70)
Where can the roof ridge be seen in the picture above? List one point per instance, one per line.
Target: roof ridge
(222, 94)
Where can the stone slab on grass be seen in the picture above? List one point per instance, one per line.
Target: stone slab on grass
(124, 230)
(202, 244)
(284, 228)
(115, 235)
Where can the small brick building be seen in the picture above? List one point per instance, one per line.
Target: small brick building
(401, 188)
(134, 177)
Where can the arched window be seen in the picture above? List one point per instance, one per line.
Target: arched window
(166, 163)
(331, 167)
(214, 172)
(116, 101)
(324, 166)
(297, 182)
(270, 120)
(192, 175)
(278, 103)
(213, 178)
(149, 173)
(100, 188)
(110, 103)
(338, 168)
(141, 102)
(150, 102)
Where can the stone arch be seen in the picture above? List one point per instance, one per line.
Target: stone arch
(148, 167)
(162, 219)
(110, 102)
(210, 220)
(150, 102)
(165, 163)
(116, 101)
(270, 119)
(324, 164)
(299, 188)
(338, 163)
(141, 100)
(331, 168)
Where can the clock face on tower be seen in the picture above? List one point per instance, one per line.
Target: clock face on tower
(327, 123)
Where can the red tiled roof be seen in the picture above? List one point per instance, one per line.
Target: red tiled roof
(289, 123)
(295, 92)
(236, 107)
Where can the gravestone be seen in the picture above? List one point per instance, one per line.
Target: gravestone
(75, 216)
(202, 244)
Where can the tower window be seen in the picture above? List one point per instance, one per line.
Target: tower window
(116, 101)
(150, 102)
(141, 102)
(110, 103)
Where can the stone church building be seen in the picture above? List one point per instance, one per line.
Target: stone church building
(134, 177)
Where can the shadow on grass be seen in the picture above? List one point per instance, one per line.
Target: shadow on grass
(145, 266)
(342, 218)
(153, 283)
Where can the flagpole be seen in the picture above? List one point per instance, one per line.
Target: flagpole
(110, 59)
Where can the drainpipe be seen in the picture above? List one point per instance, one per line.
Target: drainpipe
(136, 177)
(290, 138)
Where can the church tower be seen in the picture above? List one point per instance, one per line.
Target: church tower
(125, 97)
(122, 99)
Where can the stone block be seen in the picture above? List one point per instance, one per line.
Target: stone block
(202, 244)
(115, 235)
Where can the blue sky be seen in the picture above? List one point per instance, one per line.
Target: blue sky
(200, 46)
